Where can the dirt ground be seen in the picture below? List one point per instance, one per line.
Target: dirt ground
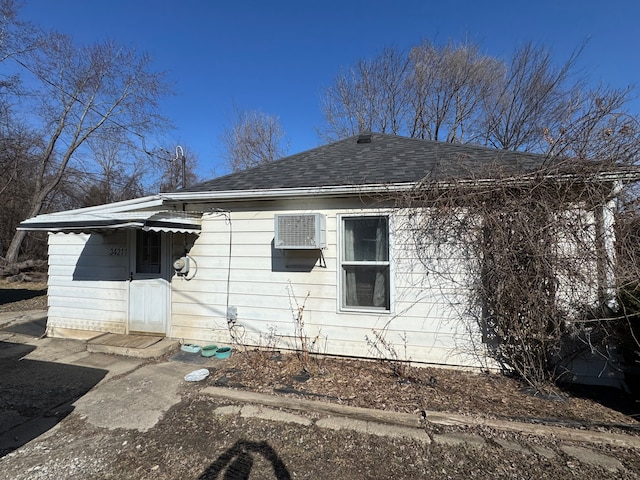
(20, 296)
(190, 442)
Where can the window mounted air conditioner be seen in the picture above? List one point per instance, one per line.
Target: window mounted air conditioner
(300, 231)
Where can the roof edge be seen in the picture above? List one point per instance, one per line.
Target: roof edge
(625, 175)
(114, 207)
(283, 193)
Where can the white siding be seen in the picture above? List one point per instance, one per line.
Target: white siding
(234, 264)
(252, 278)
(87, 282)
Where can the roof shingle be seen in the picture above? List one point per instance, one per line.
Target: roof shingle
(387, 159)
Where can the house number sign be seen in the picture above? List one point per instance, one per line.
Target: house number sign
(118, 251)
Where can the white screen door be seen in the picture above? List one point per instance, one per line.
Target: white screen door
(148, 285)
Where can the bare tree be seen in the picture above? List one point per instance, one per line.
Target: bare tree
(108, 175)
(370, 96)
(597, 127)
(19, 143)
(16, 36)
(19, 148)
(101, 90)
(253, 138)
(531, 97)
(448, 85)
(434, 92)
(456, 93)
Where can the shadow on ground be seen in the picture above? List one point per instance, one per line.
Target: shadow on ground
(36, 395)
(609, 397)
(33, 328)
(237, 462)
(19, 294)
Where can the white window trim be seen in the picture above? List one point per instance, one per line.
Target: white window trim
(340, 307)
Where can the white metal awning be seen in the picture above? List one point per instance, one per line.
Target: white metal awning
(85, 222)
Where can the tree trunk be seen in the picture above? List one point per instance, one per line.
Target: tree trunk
(13, 252)
(14, 247)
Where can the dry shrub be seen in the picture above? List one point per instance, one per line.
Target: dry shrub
(534, 257)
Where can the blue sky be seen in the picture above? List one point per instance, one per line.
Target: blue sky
(277, 56)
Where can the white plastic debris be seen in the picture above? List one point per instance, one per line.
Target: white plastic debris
(197, 375)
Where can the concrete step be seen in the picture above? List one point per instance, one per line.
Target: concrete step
(138, 346)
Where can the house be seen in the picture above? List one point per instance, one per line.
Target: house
(251, 256)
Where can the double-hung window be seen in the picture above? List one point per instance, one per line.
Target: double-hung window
(365, 263)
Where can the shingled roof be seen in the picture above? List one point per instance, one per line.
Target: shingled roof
(372, 159)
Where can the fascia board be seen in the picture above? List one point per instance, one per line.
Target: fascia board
(284, 193)
(336, 191)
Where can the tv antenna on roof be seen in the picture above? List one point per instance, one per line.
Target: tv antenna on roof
(180, 156)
